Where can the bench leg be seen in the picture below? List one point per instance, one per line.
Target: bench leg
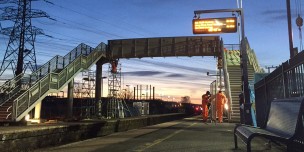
(235, 142)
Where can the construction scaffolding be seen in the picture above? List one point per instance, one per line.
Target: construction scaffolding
(77, 89)
(116, 106)
(114, 79)
(87, 107)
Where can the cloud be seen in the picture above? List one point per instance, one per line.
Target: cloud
(176, 66)
(176, 76)
(142, 73)
(277, 15)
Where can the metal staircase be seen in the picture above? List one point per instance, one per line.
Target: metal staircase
(232, 59)
(20, 94)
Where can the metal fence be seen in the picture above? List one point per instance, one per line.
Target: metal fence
(284, 82)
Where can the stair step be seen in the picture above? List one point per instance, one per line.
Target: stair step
(4, 119)
(234, 121)
(4, 114)
(4, 109)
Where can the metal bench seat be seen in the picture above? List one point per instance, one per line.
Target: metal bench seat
(284, 124)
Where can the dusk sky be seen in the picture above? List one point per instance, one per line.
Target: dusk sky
(95, 21)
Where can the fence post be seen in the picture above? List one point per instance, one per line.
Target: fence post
(285, 82)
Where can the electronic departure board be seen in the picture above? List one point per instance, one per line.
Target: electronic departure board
(214, 25)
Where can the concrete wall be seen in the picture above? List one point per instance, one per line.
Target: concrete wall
(26, 138)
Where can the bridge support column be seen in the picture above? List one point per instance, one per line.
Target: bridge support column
(70, 99)
(99, 86)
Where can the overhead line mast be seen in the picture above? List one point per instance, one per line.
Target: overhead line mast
(22, 35)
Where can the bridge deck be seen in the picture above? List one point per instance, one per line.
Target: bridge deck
(165, 47)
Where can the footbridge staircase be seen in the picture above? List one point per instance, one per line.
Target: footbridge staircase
(234, 75)
(19, 95)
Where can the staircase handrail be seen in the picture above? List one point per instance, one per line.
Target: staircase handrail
(227, 82)
(8, 89)
(23, 81)
(59, 63)
(252, 57)
(45, 82)
(44, 69)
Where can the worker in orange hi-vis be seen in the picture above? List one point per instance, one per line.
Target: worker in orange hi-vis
(220, 102)
(205, 101)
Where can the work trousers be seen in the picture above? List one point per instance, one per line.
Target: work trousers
(205, 111)
(219, 110)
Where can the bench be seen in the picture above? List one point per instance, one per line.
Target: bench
(284, 124)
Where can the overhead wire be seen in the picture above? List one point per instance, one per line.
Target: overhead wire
(97, 19)
(81, 28)
(122, 21)
(109, 35)
(73, 38)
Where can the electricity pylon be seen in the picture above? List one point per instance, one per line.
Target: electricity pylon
(20, 52)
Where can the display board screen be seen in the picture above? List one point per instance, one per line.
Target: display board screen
(214, 25)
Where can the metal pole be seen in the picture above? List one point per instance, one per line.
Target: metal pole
(140, 88)
(153, 93)
(289, 29)
(244, 56)
(134, 93)
(98, 88)
(147, 87)
(220, 75)
(150, 91)
(137, 92)
(70, 99)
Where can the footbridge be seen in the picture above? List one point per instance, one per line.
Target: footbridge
(26, 91)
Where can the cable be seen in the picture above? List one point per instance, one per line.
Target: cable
(101, 31)
(79, 40)
(114, 25)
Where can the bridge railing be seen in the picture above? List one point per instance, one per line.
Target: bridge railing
(285, 81)
(226, 77)
(82, 56)
(9, 88)
(252, 58)
(24, 81)
(58, 62)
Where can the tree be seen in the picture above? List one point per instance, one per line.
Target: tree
(185, 99)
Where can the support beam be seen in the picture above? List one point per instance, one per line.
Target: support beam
(98, 87)
(70, 99)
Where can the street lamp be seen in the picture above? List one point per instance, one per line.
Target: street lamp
(220, 85)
